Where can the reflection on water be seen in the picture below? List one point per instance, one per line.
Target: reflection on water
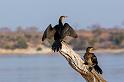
(55, 69)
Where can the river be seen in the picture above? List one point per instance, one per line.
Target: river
(44, 68)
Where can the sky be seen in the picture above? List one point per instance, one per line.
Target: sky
(41, 13)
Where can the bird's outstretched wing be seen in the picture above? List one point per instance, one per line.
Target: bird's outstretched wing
(68, 31)
(48, 33)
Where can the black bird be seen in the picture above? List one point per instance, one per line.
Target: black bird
(91, 60)
(57, 33)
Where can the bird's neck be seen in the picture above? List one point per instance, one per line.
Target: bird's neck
(60, 22)
(88, 52)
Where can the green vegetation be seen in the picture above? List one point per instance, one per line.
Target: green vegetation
(21, 43)
(95, 36)
(39, 49)
(20, 38)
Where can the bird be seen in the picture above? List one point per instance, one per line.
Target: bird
(91, 60)
(56, 34)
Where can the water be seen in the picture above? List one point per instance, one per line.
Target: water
(42, 68)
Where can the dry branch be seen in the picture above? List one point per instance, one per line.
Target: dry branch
(77, 63)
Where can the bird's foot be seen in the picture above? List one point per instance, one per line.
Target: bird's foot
(90, 69)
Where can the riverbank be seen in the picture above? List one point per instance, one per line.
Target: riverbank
(103, 51)
(28, 51)
(31, 51)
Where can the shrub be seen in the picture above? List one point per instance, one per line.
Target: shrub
(21, 43)
(39, 49)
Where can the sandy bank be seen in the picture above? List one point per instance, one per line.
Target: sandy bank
(45, 50)
(29, 51)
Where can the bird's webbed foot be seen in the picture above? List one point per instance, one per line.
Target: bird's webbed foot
(85, 63)
(90, 68)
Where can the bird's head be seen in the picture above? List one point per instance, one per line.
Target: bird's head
(90, 49)
(63, 17)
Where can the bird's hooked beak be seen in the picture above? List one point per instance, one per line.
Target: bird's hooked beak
(65, 16)
(90, 49)
(93, 49)
(62, 18)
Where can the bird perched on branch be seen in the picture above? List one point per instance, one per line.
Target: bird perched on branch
(91, 60)
(58, 33)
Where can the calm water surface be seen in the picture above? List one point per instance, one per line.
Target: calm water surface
(42, 68)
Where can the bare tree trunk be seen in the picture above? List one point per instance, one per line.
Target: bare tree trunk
(77, 63)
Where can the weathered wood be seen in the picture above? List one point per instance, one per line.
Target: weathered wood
(77, 63)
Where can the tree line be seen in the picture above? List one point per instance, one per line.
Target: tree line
(96, 36)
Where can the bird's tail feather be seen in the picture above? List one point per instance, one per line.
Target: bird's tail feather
(56, 45)
(98, 69)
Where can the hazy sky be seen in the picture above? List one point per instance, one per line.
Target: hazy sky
(41, 13)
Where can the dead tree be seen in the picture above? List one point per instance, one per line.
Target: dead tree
(77, 63)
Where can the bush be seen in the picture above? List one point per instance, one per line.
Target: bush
(39, 49)
(21, 43)
(9, 47)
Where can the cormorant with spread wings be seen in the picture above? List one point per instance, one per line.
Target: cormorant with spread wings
(58, 33)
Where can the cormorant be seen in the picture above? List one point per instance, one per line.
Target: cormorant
(91, 60)
(58, 32)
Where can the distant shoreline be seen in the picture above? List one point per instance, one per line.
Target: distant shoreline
(29, 51)
(103, 51)
(32, 51)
